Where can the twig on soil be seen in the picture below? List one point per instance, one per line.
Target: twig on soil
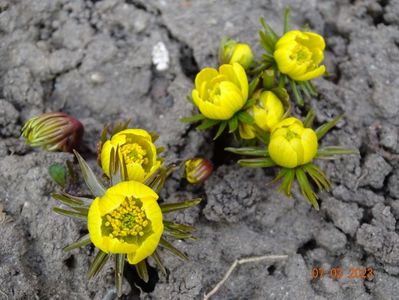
(3, 293)
(241, 262)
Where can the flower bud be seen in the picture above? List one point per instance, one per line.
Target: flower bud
(219, 94)
(231, 52)
(291, 144)
(298, 55)
(53, 131)
(267, 110)
(198, 170)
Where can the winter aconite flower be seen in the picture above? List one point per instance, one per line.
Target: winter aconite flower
(53, 131)
(232, 52)
(220, 94)
(299, 54)
(126, 219)
(291, 144)
(198, 170)
(138, 151)
(267, 112)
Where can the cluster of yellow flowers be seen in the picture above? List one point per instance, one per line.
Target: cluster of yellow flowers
(252, 97)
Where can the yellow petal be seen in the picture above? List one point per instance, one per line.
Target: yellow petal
(247, 132)
(204, 75)
(312, 74)
(135, 172)
(287, 122)
(105, 157)
(313, 40)
(282, 153)
(94, 223)
(310, 145)
(242, 78)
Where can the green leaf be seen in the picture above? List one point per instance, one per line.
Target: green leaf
(177, 226)
(266, 42)
(160, 150)
(58, 173)
(306, 188)
(68, 200)
(83, 241)
(245, 117)
(252, 85)
(249, 103)
(251, 151)
(281, 173)
(304, 89)
(288, 179)
(91, 180)
(168, 246)
(332, 152)
(318, 176)
(158, 261)
(207, 123)
(269, 33)
(142, 271)
(169, 207)
(222, 127)
(323, 129)
(310, 88)
(257, 162)
(308, 123)
(119, 266)
(178, 235)
(193, 119)
(97, 264)
(233, 124)
(297, 93)
(69, 213)
(286, 19)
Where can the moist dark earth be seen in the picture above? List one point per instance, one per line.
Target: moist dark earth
(93, 60)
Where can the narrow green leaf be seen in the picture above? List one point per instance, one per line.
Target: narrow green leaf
(158, 261)
(310, 88)
(323, 129)
(233, 124)
(265, 41)
(67, 200)
(257, 162)
(281, 173)
(177, 226)
(97, 264)
(178, 235)
(245, 117)
(269, 32)
(160, 150)
(288, 179)
(192, 119)
(169, 207)
(58, 173)
(318, 176)
(69, 213)
(207, 123)
(308, 123)
(91, 180)
(297, 93)
(83, 241)
(286, 19)
(159, 181)
(252, 85)
(168, 246)
(142, 271)
(306, 188)
(251, 151)
(249, 103)
(304, 89)
(332, 152)
(119, 266)
(222, 127)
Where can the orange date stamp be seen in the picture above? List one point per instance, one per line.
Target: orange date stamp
(337, 273)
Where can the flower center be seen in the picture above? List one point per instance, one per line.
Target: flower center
(301, 54)
(127, 222)
(291, 135)
(134, 153)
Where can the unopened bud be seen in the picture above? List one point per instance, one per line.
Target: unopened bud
(53, 131)
(198, 170)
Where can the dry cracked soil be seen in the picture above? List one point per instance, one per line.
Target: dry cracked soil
(93, 60)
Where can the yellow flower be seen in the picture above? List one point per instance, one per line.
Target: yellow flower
(231, 52)
(126, 219)
(267, 111)
(298, 54)
(138, 151)
(219, 95)
(291, 144)
(247, 131)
